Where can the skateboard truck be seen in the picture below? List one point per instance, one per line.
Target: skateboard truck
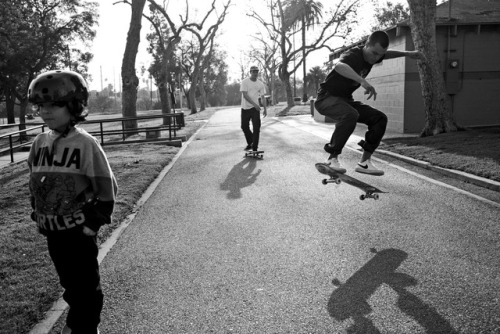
(368, 194)
(332, 180)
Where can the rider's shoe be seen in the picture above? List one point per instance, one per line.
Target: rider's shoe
(367, 167)
(335, 164)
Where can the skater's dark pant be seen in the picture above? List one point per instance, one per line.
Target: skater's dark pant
(346, 113)
(252, 115)
(75, 259)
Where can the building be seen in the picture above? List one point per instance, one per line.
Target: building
(468, 42)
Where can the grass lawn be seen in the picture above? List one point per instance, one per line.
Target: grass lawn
(28, 282)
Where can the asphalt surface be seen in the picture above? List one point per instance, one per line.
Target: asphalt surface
(228, 244)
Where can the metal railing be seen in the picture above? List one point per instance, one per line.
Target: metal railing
(175, 121)
(22, 137)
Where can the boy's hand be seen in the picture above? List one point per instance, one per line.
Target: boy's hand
(369, 89)
(88, 232)
(265, 112)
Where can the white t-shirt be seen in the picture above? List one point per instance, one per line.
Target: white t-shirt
(254, 89)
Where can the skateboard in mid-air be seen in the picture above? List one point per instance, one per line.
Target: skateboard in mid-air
(337, 178)
(255, 154)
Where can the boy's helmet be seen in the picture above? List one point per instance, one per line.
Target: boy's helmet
(58, 86)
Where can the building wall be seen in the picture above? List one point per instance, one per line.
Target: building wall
(474, 87)
(476, 100)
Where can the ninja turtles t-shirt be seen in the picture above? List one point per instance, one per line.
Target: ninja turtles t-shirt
(66, 173)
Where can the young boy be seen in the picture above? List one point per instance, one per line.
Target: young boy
(72, 193)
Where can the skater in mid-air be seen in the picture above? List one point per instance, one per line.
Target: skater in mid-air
(335, 100)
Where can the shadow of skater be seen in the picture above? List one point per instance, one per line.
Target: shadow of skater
(240, 176)
(350, 300)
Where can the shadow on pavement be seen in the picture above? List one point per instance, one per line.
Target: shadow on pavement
(350, 300)
(241, 175)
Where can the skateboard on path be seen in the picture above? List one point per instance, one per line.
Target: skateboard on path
(255, 154)
(337, 178)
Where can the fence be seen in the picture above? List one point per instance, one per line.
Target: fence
(21, 140)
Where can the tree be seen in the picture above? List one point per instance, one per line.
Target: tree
(204, 41)
(390, 15)
(215, 78)
(37, 36)
(163, 45)
(267, 57)
(338, 25)
(315, 76)
(233, 94)
(130, 81)
(307, 13)
(438, 114)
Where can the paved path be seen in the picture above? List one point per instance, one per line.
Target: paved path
(233, 245)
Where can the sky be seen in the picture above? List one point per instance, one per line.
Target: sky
(237, 31)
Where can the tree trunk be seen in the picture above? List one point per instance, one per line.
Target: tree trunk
(438, 114)
(22, 120)
(10, 103)
(192, 93)
(304, 85)
(273, 88)
(203, 95)
(130, 80)
(165, 101)
(284, 75)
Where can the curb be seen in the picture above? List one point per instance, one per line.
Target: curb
(466, 177)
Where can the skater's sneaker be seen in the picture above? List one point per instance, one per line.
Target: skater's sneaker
(367, 167)
(334, 164)
(248, 148)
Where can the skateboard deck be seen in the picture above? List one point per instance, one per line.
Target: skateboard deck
(337, 178)
(255, 154)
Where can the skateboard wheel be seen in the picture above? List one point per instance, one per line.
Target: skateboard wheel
(362, 197)
(376, 197)
(338, 181)
(325, 182)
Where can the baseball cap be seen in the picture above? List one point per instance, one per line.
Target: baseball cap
(253, 68)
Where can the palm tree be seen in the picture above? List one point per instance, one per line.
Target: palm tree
(315, 76)
(307, 14)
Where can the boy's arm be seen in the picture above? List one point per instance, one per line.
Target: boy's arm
(264, 103)
(99, 208)
(249, 99)
(346, 71)
(391, 54)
